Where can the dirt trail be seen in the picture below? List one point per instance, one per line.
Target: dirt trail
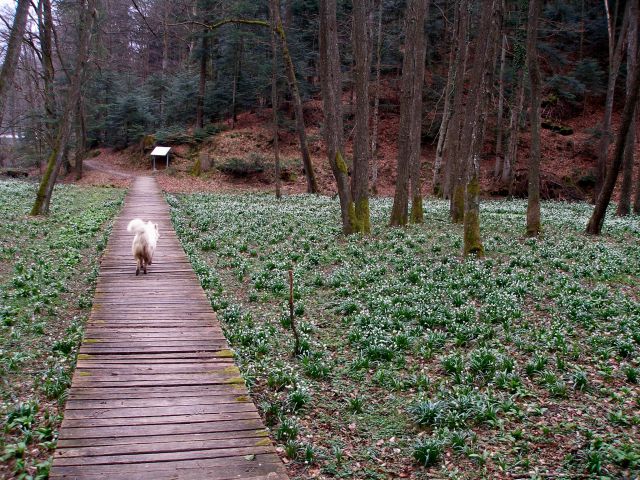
(94, 164)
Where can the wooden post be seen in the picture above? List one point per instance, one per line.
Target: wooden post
(296, 337)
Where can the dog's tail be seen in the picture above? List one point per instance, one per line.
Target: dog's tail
(136, 226)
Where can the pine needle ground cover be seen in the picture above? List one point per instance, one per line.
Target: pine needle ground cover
(415, 363)
(48, 268)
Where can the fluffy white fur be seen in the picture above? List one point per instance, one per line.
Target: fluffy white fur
(144, 242)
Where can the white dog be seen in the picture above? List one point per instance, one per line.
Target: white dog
(144, 242)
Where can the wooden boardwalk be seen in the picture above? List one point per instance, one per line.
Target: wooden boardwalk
(155, 394)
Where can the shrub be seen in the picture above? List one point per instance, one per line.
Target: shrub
(252, 164)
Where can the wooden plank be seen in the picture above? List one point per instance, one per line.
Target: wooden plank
(160, 429)
(219, 469)
(133, 458)
(134, 442)
(163, 447)
(149, 411)
(155, 393)
(154, 402)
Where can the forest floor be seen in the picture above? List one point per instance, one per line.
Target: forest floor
(522, 365)
(48, 269)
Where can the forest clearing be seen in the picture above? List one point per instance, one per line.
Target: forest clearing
(524, 362)
(397, 239)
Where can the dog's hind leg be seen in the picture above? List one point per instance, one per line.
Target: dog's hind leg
(137, 266)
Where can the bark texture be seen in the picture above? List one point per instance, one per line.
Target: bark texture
(475, 116)
(274, 104)
(533, 204)
(624, 205)
(376, 104)
(408, 162)
(511, 155)
(45, 29)
(312, 184)
(594, 227)
(415, 138)
(12, 54)
(331, 81)
(202, 84)
(446, 112)
(56, 157)
(361, 137)
(616, 45)
(452, 140)
(499, 121)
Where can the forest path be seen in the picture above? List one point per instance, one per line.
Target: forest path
(94, 164)
(156, 394)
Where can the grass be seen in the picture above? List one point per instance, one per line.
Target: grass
(48, 268)
(523, 362)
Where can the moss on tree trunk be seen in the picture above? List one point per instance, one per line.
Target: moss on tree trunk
(417, 211)
(40, 206)
(472, 239)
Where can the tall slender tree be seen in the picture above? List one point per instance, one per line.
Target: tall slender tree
(452, 142)
(624, 204)
(447, 109)
(472, 138)
(499, 120)
(87, 12)
(361, 139)
(312, 183)
(202, 83)
(376, 103)
(594, 227)
(533, 205)
(274, 102)
(616, 48)
(408, 162)
(331, 81)
(415, 138)
(12, 53)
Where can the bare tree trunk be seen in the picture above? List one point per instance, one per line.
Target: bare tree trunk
(376, 104)
(533, 206)
(413, 24)
(511, 156)
(81, 137)
(12, 54)
(636, 200)
(45, 28)
(453, 155)
(204, 56)
(274, 106)
(45, 191)
(331, 81)
(361, 138)
(165, 59)
(596, 221)
(624, 205)
(447, 110)
(236, 79)
(615, 59)
(475, 115)
(415, 135)
(312, 184)
(499, 120)
(471, 127)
